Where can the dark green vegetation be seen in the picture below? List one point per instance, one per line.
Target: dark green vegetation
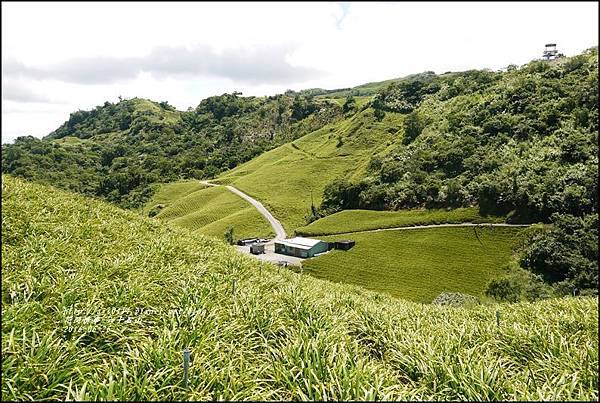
(521, 143)
(419, 264)
(566, 255)
(525, 141)
(99, 303)
(118, 151)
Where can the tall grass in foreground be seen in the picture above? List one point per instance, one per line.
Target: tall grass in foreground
(152, 290)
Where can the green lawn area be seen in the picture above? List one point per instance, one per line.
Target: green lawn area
(419, 264)
(211, 210)
(364, 220)
(284, 178)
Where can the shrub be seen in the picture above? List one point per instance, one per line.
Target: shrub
(155, 210)
(456, 299)
(566, 255)
(519, 285)
(229, 235)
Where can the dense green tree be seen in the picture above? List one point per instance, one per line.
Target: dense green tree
(349, 104)
(522, 142)
(567, 254)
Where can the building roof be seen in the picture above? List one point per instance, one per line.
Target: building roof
(300, 242)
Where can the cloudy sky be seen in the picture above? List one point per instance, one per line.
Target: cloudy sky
(60, 57)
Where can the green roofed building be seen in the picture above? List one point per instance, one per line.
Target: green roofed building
(301, 247)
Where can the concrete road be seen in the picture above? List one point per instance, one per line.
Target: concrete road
(465, 224)
(271, 256)
(277, 227)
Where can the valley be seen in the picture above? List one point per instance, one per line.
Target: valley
(470, 201)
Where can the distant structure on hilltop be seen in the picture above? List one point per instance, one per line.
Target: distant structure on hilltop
(551, 53)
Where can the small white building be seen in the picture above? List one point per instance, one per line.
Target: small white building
(301, 247)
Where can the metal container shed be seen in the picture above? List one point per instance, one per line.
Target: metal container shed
(248, 241)
(257, 248)
(344, 244)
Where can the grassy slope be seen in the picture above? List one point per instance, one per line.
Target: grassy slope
(363, 220)
(282, 336)
(283, 178)
(171, 192)
(210, 211)
(419, 264)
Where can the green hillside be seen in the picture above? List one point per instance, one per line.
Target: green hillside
(524, 140)
(284, 179)
(99, 303)
(419, 264)
(363, 90)
(168, 193)
(210, 211)
(364, 220)
(119, 152)
(519, 144)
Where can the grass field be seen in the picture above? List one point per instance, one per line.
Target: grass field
(171, 192)
(284, 179)
(419, 264)
(209, 211)
(99, 303)
(364, 220)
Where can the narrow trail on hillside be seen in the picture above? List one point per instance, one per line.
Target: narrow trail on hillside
(466, 224)
(275, 224)
(280, 232)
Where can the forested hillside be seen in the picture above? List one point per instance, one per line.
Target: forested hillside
(118, 151)
(525, 140)
(522, 143)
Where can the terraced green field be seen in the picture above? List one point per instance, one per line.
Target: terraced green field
(283, 179)
(419, 264)
(210, 211)
(171, 192)
(99, 303)
(364, 220)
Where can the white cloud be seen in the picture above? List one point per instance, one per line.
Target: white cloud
(18, 91)
(86, 53)
(264, 64)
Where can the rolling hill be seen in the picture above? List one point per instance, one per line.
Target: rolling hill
(99, 303)
(347, 221)
(208, 210)
(120, 152)
(286, 178)
(420, 264)
(519, 145)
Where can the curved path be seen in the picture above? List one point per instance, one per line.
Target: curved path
(465, 224)
(280, 232)
(277, 227)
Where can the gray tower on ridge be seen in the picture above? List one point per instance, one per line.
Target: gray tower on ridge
(550, 53)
